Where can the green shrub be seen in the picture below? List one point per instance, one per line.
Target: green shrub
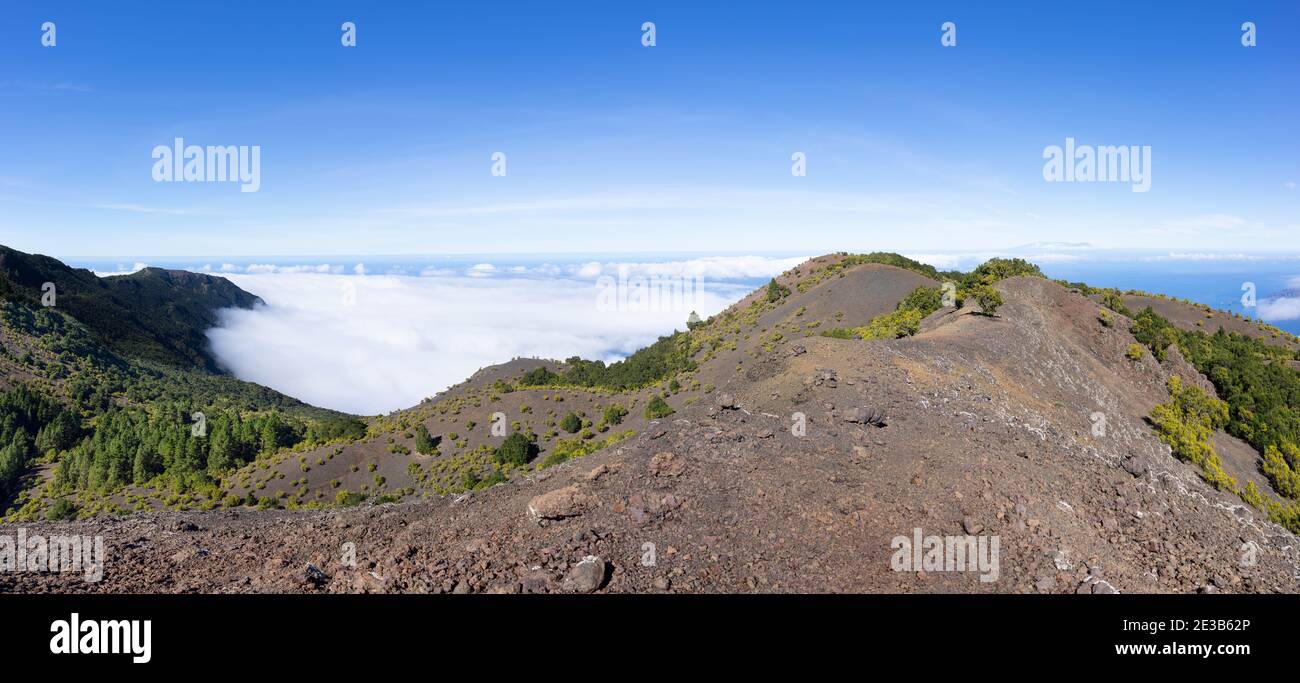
(658, 408)
(62, 509)
(1280, 466)
(1155, 332)
(568, 449)
(776, 291)
(669, 355)
(1186, 422)
(996, 269)
(614, 414)
(571, 423)
(900, 323)
(841, 333)
(346, 498)
(538, 377)
(1111, 299)
(492, 479)
(927, 300)
(1135, 352)
(989, 299)
(515, 450)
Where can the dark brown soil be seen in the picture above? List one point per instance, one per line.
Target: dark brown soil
(987, 430)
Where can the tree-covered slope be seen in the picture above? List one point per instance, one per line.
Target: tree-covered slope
(154, 314)
(111, 390)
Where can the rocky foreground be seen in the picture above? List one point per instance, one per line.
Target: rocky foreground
(795, 476)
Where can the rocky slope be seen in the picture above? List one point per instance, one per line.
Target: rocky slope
(792, 463)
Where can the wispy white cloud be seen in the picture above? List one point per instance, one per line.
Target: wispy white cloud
(48, 87)
(267, 268)
(1210, 256)
(139, 208)
(1221, 227)
(695, 199)
(1214, 221)
(1058, 246)
(712, 267)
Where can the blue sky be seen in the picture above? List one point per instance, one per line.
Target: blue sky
(614, 147)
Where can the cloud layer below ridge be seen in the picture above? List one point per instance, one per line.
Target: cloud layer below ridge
(374, 343)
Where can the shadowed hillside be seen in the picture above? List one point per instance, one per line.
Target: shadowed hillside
(153, 314)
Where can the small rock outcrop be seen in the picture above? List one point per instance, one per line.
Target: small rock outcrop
(569, 501)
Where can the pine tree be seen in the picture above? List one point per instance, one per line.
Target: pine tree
(221, 452)
(424, 443)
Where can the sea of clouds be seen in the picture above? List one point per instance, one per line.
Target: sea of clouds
(341, 337)
(1284, 306)
(372, 338)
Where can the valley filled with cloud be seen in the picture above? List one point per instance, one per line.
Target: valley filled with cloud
(372, 343)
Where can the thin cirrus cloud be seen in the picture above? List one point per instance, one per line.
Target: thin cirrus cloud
(695, 199)
(376, 343)
(711, 267)
(48, 87)
(140, 208)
